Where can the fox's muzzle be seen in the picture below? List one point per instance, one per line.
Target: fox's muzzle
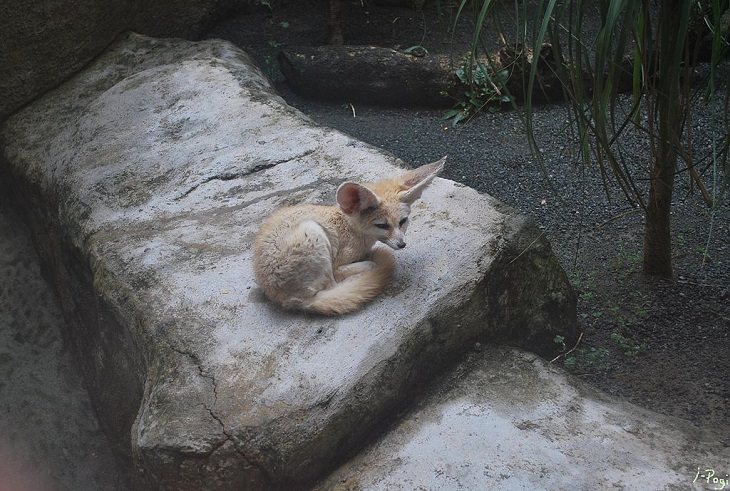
(395, 243)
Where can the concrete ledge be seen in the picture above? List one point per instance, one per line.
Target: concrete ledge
(145, 178)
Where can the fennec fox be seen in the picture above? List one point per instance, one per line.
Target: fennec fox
(323, 258)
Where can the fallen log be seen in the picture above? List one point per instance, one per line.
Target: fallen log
(385, 76)
(370, 74)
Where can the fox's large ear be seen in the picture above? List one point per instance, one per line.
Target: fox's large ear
(354, 198)
(417, 179)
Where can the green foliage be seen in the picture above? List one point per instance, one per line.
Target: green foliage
(560, 342)
(582, 359)
(481, 89)
(588, 360)
(582, 282)
(594, 70)
(627, 345)
(587, 296)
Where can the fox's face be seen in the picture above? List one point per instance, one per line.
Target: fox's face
(388, 223)
(381, 209)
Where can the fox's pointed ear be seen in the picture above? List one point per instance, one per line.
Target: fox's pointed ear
(354, 198)
(418, 179)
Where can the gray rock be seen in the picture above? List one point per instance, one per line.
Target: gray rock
(49, 435)
(181, 18)
(147, 176)
(43, 43)
(507, 420)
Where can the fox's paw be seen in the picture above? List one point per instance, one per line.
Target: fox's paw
(383, 257)
(384, 260)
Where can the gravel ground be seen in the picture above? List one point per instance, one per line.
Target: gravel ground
(659, 344)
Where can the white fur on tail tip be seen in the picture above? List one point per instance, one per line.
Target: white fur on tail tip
(324, 259)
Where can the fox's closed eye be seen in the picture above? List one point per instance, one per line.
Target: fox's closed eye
(403, 221)
(384, 226)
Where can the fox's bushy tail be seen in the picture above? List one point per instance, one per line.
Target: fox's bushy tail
(354, 291)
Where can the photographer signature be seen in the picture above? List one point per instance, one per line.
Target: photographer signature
(709, 476)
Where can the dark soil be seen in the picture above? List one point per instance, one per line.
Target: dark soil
(657, 343)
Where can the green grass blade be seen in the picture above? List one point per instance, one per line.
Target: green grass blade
(531, 84)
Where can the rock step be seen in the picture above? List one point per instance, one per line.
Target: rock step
(145, 178)
(505, 419)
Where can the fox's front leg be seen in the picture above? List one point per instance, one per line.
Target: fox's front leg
(353, 268)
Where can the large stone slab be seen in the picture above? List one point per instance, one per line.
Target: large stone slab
(507, 420)
(145, 179)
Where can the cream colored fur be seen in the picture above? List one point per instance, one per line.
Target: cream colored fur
(324, 258)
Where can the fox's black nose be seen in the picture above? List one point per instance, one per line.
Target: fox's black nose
(401, 245)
